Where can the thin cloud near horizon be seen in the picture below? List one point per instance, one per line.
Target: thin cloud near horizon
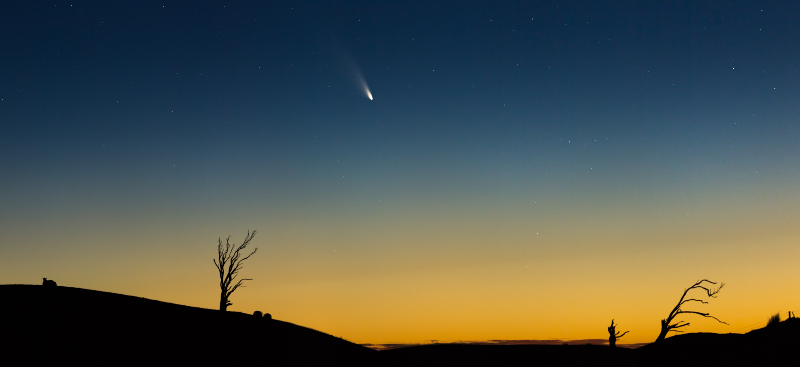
(505, 342)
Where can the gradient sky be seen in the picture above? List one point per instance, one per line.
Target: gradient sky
(526, 170)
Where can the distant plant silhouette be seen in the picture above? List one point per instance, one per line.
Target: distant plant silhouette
(774, 319)
(228, 263)
(666, 327)
(257, 314)
(49, 283)
(267, 316)
(791, 315)
(614, 335)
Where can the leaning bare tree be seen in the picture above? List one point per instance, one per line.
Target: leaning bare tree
(229, 262)
(666, 327)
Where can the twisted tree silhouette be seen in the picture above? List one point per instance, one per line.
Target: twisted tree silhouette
(228, 263)
(666, 327)
(613, 334)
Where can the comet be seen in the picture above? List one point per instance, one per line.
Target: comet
(356, 75)
(362, 83)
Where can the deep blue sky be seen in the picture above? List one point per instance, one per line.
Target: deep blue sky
(158, 119)
(165, 81)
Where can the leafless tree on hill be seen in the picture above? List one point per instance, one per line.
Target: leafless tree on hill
(666, 327)
(613, 334)
(228, 263)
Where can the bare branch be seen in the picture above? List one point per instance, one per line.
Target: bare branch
(676, 325)
(705, 315)
(714, 293)
(692, 299)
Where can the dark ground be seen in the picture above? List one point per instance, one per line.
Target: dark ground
(44, 325)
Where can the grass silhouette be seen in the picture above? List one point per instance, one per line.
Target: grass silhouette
(774, 320)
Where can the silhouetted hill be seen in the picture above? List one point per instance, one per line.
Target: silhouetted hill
(777, 345)
(48, 325)
(57, 325)
(774, 346)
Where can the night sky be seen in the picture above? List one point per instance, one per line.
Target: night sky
(526, 170)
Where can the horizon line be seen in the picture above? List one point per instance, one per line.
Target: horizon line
(390, 346)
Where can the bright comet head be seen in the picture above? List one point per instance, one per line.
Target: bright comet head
(360, 81)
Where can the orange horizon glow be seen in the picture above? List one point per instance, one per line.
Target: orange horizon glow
(499, 273)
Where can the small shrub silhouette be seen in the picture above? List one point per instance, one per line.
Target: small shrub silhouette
(774, 319)
(49, 283)
(257, 314)
(267, 316)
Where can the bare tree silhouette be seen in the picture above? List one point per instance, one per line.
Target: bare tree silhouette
(613, 334)
(228, 263)
(666, 327)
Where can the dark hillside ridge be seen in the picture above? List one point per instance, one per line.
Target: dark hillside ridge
(44, 325)
(773, 346)
(778, 345)
(57, 325)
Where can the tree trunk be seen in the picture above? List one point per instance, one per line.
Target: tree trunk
(223, 302)
(612, 341)
(664, 331)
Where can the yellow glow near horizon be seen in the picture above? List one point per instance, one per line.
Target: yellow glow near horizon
(421, 272)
